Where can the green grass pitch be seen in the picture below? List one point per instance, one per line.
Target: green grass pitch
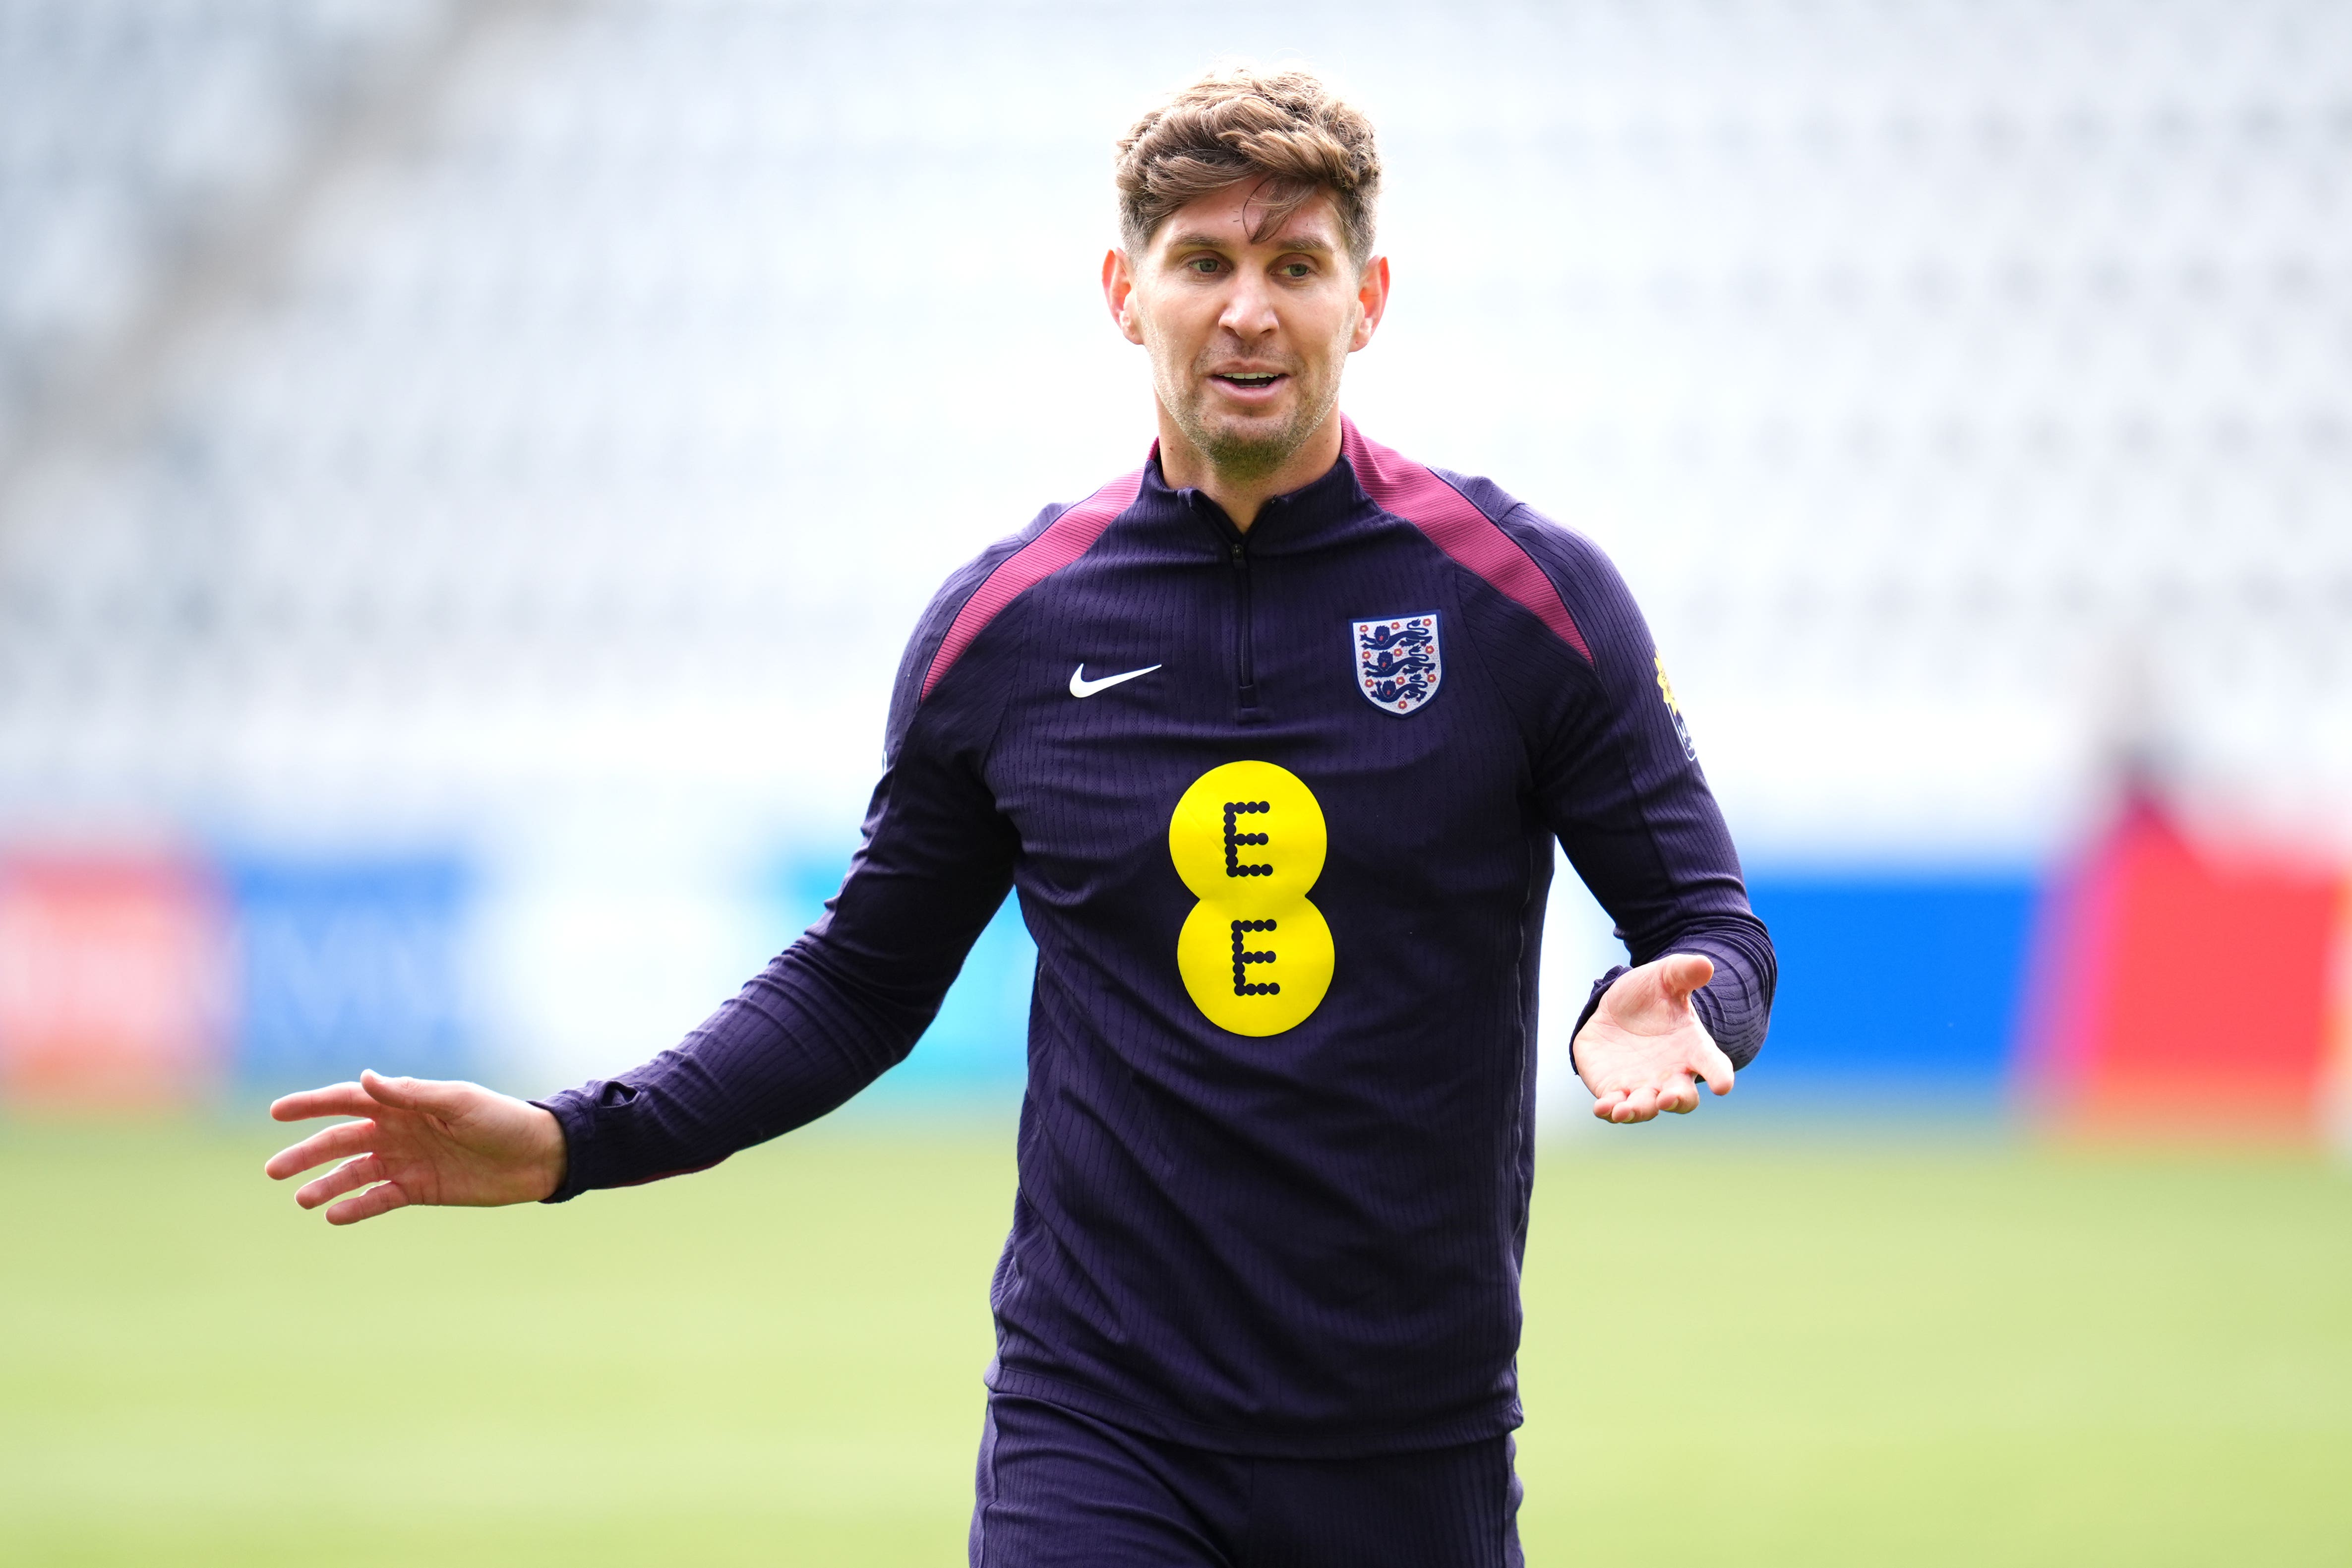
(1738, 1352)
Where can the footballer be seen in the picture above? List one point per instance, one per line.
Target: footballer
(1272, 737)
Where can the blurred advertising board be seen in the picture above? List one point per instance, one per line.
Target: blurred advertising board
(114, 985)
(1895, 986)
(2150, 982)
(343, 964)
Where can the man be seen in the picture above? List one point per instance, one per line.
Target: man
(1273, 737)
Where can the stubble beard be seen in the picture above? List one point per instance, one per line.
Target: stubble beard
(1246, 451)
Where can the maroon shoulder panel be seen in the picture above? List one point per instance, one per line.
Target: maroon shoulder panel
(1065, 539)
(1397, 484)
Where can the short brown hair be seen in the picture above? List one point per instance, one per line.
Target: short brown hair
(1284, 126)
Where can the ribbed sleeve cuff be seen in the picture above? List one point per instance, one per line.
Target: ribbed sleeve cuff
(612, 1138)
(578, 1121)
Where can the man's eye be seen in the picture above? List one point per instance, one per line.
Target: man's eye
(1296, 269)
(1202, 264)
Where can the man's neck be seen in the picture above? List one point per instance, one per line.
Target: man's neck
(1185, 467)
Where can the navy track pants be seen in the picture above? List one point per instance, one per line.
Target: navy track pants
(1061, 1489)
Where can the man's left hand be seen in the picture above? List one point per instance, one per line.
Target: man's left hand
(1643, 1050)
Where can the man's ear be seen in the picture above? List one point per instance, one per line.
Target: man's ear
(1371, 300)
(1119, 293)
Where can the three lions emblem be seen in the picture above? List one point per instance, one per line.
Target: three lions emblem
(1397, 663)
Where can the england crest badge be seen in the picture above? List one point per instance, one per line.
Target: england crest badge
(1396, 662)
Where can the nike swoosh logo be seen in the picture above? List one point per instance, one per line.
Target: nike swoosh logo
(1081, 686)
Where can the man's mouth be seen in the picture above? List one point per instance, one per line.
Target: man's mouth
(1248, 381)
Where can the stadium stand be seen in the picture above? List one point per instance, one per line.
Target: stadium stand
(1963, 386)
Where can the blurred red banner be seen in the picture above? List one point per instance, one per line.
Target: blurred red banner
(2181, 985)
(113, 980)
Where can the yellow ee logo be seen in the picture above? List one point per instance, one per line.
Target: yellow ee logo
(1248, 838)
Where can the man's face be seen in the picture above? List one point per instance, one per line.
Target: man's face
(1247, 337)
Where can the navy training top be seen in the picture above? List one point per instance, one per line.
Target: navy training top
(1279, 807)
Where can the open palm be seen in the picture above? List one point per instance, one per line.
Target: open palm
(1644, 1050)
(420, 1140)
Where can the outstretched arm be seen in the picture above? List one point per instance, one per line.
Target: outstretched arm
(1618, 780)
(829, 1015)
(419, 1140)
(833, 1011)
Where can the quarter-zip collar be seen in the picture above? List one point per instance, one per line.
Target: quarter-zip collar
(1316, 516)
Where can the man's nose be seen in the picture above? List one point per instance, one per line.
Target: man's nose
(1249, 308)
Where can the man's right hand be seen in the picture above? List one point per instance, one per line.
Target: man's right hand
(422, 1141)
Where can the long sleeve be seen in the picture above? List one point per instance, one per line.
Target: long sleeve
(1619, 782)
(848, 1000)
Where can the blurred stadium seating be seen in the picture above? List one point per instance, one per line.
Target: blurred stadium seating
(524, 517)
